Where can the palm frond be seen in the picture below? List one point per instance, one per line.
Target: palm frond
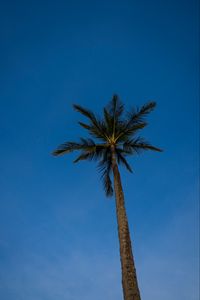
(67, 148)
(135, 121)
(94, 131)
(108, 119)
(121, 159)
(83, 145)
(112, 114)
(125, 131)
(97, 128)
(93, 153)
(86, 112)
(105, 167)
(147, 108)
(84, 156)
(138, 145)
(86, 126)
(107, 183)
(115, 107)
(138, 115)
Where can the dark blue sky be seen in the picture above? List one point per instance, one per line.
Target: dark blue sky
(58, 234)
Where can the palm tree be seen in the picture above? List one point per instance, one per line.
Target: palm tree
(114, 138)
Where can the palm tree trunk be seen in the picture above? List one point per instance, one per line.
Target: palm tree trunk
(129, 278)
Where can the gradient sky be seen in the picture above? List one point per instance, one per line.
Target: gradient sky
(58, 233)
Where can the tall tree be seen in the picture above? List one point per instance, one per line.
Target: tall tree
(114, 137)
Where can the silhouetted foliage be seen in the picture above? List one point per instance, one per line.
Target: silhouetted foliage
(116, 128)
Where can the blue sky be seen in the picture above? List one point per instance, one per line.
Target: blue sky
(58, 234)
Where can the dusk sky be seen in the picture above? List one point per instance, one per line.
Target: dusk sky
(58, 231)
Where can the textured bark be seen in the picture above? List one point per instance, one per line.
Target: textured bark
(129, 278)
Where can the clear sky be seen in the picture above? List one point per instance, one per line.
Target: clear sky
(58, 233)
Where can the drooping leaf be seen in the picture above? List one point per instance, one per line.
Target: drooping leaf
(122, 160)
(105, 167)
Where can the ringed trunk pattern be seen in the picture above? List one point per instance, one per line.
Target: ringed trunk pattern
(129, 278)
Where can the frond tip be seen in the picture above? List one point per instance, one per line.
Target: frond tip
(66, 148)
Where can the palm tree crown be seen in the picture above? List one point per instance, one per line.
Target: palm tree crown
(115, 130)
